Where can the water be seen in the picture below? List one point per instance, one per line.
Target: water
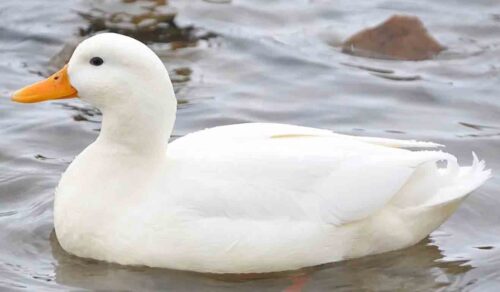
(240, 61)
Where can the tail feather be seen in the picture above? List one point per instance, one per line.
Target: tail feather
(462, 183)
(433, 194)
(431, 185)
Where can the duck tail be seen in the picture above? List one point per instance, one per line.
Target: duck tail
(461, 181)
(433, 185)
(433, 194)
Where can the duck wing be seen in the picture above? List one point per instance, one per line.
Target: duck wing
(263, 171)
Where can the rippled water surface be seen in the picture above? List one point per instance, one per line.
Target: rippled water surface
(268, 61)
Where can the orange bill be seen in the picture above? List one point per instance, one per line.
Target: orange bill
(56, 86)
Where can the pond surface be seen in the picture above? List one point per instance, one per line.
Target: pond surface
(257, 61)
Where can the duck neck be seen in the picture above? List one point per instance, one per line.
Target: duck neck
(141, 129)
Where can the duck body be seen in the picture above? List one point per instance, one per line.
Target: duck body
(255, 198)
(247, 198)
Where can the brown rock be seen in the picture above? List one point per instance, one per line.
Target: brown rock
(400, 37)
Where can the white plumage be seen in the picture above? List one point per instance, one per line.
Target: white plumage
(245, 198)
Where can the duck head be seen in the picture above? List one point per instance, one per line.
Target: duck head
(123, 78)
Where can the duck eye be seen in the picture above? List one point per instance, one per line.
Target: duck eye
(96, 61)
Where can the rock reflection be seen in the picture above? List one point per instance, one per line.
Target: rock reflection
(146, 20)
(398, 77)
(369, 69)
(384, 73)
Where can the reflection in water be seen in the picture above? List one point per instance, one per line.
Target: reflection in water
(398, 77)
(82, 112)
(485, 247)
(477, 127)
(414, 268)
(486, 131)
(94, 275)
(146, 20)
(370, 69)
(384, 73)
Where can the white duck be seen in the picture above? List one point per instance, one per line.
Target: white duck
(246, 198)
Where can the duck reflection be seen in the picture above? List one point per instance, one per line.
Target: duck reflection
(407, 269)
(95, 275)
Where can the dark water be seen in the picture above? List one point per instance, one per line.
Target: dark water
(268, 61)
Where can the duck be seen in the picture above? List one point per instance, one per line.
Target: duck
(237, 199)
